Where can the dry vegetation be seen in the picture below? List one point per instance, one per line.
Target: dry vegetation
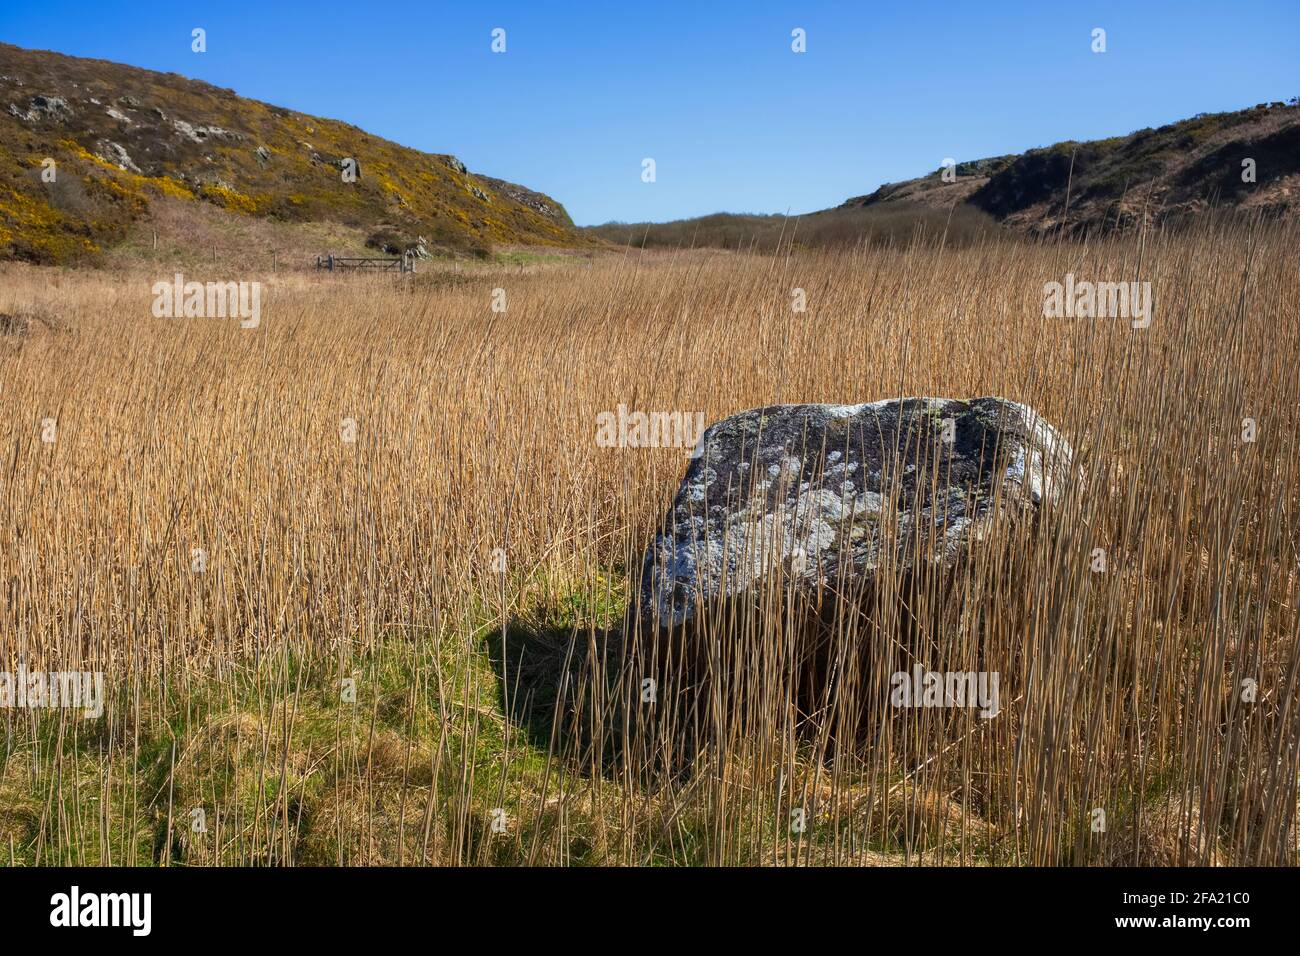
(898, 224)
(372, 561)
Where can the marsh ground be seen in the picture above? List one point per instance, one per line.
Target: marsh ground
(398, 641)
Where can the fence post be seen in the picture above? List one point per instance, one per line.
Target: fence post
(331, 262)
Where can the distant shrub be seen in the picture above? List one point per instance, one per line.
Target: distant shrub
(896, 224)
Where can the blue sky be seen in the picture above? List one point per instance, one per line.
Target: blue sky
(710, 90)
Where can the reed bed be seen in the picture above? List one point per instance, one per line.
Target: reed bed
(358, 579)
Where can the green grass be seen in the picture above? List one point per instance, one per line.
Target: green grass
(288, 767)
(526, 257)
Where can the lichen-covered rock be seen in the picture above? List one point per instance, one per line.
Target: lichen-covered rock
(203, 134)
(831, 493)
(115, 153)
(43, 109)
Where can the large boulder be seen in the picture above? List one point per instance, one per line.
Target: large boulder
(828, 495)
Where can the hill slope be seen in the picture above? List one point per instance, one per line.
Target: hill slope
(1176, 170)
(124, 138)
(1173, 172)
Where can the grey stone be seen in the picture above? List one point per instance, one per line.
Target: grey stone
(202, 134)
(42, 108)
(828, 495)
(115, 153)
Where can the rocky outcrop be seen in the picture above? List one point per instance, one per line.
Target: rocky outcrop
(828, 495)
(202, 134)
(538, 202)
(115, 153)
(43, 109)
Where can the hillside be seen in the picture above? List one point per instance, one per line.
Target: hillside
(125, 141)
(1166, 174)
(1171, 172)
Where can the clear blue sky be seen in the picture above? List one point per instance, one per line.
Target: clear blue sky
(711, 90)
